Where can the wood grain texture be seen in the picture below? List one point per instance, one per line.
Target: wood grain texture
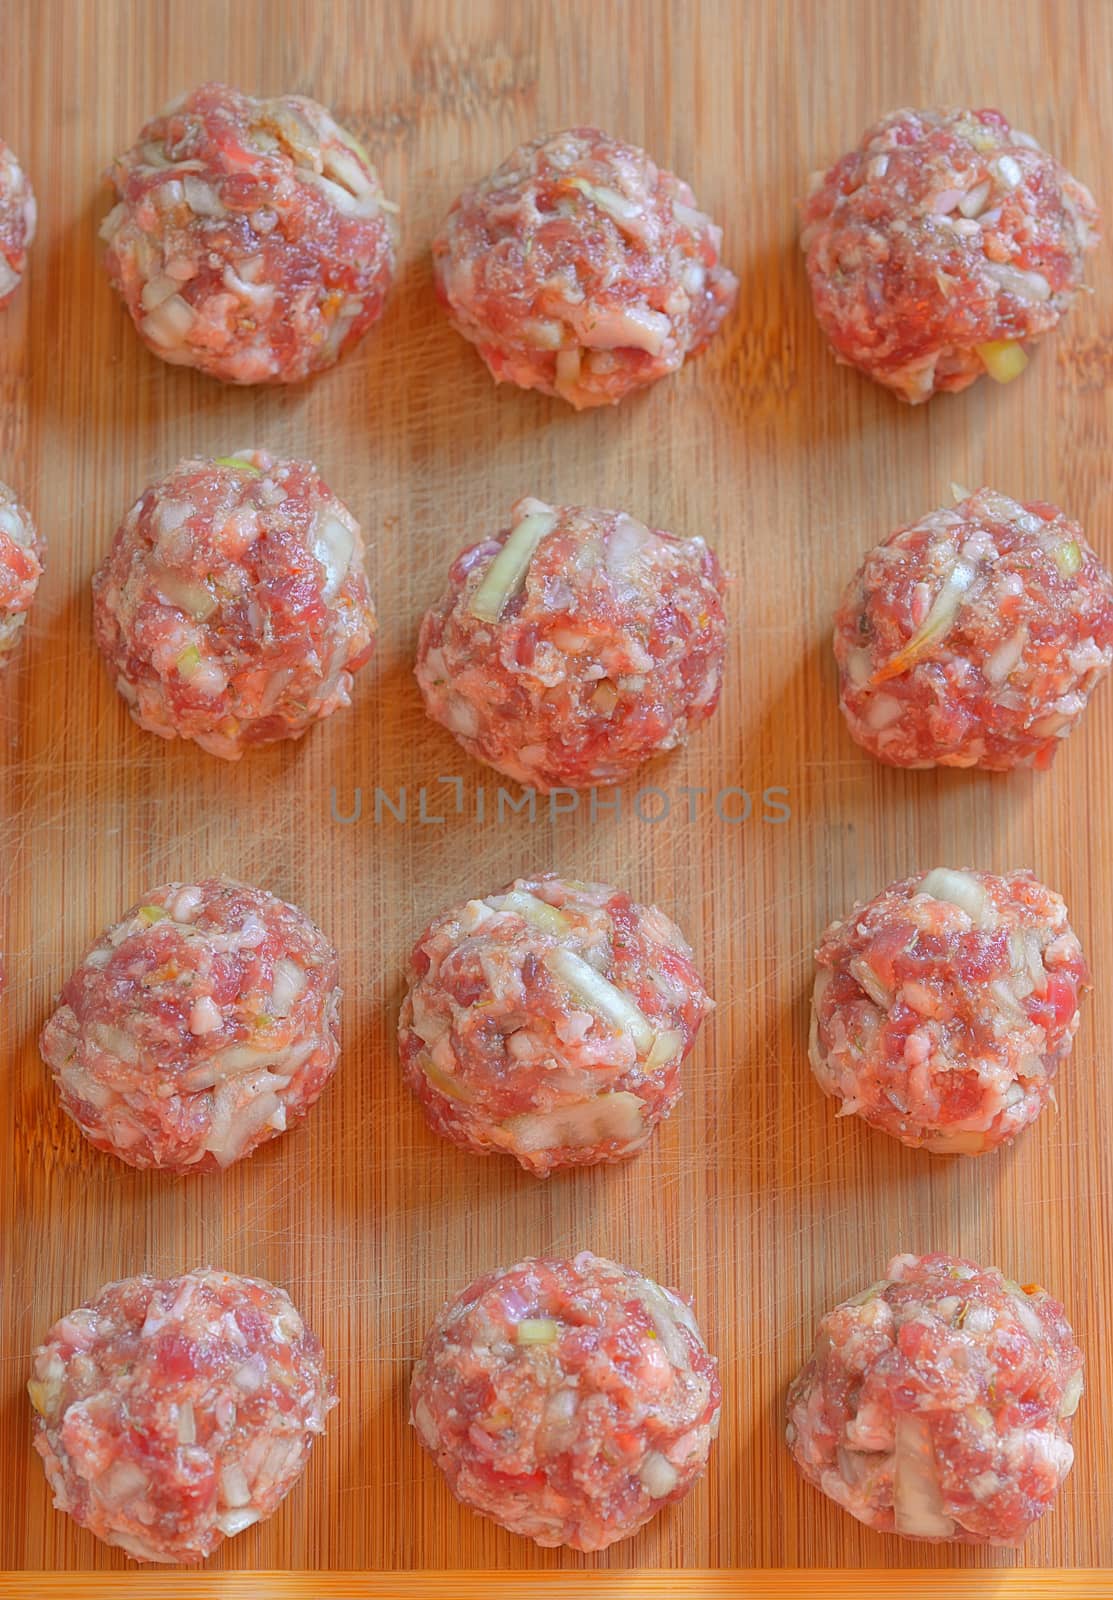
(620, 1585)
(751, 1197)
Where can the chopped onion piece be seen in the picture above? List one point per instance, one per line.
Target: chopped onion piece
(958, 889)
(601, 996)
(1004, 359)
(973, 201)
(507, 571)
(938, 622)
(444, 1082)
(333, 546)
(1015, 281)
(233, 1522)
(617, 206)
(866, 978)
(608, 1116)
(532, 910)
(1072, 1394)
(122, 1481)
(44, 1394)
(667, 1044)
(187, 1424)
(196, 599)
(917, 1496)
(1000, 662)
(537, 1330)
(233, 1485)
(659, 1475)
(288, 983)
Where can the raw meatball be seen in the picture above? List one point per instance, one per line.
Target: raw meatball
(252, 239)
(171, 1413)
(582, 269)
(21, 566)
(939, 245)
(568, 1400)
(17, 222)
(974, 637)
(550, 1022)
(233, 606)
(938, 1404)
(202, 1025)
(943, 1007)
(575, 646)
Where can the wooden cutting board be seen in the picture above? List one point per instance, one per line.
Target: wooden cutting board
(751, 1197)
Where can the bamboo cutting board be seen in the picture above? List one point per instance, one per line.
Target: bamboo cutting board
(751, 1197)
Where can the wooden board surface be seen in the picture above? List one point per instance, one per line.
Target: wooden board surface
(751, 1197)
(767, 1584)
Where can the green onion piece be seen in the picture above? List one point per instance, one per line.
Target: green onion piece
(1004, 359)
(537, 1330)
(149, 914)
(189, 661)
(507, 572)
(239, 465)
(1068, 558)
(938, 622)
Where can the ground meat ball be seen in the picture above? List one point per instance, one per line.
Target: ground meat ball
(939, 1403)
(233, 606)
(550, 1022)
(582, 269)
(21, 565)
(575, 646)
(17, 222)
(202, 1025)
(974, 637)
(252, 239)
(943, 1007)
(173, 1413)
(939, 244)
(568, 1400)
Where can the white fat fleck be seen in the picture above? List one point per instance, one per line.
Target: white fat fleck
(205, 1017)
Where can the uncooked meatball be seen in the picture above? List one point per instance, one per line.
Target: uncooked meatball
(940, 246)
(975, 637)
(568, 1400)
(944, 1007)
(21, 567)
(173, 1413)
(17, 222)
(251, 239)
(549, 1022)
(233, 607)
(575, 646)
(939, 1403)
(202, 1025)
(582, 269)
